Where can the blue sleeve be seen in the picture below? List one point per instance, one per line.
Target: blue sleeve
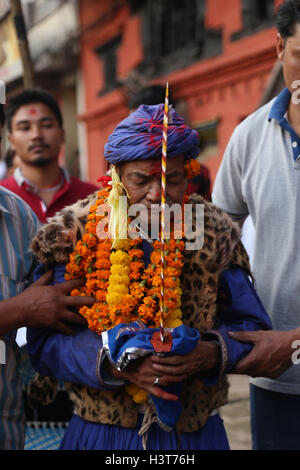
(72, 358)
(243, 312)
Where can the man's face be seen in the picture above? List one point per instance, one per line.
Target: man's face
(35, 135)
(142, 179)
(288, 52)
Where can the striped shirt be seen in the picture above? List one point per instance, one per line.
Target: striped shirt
(18, 225)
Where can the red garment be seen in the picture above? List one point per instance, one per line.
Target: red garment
(71, 191)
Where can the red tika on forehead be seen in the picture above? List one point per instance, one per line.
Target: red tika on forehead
(32, 111)
(156, 168)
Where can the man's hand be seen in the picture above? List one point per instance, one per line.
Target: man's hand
(205, 356)
(43, 305)
(271, 353)
(169, 370)
(142, 374)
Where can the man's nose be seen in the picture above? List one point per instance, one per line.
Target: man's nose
(36, 132)
(154, 193)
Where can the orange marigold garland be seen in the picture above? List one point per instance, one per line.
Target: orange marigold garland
(124, 289)
(192, 168)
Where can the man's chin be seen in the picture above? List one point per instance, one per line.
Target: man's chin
(40, 162)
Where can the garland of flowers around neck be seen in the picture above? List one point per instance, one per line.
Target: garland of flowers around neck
(124, 289)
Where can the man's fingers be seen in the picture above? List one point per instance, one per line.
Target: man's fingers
(168, 360)
(68, 286)
(158, 392)
(170, 379)
(64, 287)
(79, 301)
(63, 328)
(169, 369)
(45, 279)
(243, 336)
(246, 363)
(71, 317)
(66, 319)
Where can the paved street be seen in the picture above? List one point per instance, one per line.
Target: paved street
(236, 414)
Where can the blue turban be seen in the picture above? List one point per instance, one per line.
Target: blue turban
(139, 136)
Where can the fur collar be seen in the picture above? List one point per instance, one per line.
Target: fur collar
(57, 238)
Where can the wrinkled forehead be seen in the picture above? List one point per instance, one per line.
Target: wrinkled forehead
(152, 167)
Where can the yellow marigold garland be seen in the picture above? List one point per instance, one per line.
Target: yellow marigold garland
(124, 289)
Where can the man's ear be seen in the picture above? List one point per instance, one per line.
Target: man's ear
(280, 47)
(119, 168)
(63, 136)
(11, 141)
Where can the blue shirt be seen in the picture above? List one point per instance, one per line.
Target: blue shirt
(18, 225)
(279, 113)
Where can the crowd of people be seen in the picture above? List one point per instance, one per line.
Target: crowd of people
(92, 305)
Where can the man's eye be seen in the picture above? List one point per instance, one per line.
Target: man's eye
(23, 128)
(174, 179)
(139, 180)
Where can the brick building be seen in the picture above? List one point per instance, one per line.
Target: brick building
(218, 56)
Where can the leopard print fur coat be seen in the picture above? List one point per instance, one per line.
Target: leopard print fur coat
(200, 306)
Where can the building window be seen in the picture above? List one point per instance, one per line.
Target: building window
(177, 26)
(172, 25)
(108, 54)
(174, 34)
(208, 132)
(261, 8)
(257, 15)
(261, 11)
(36, 10)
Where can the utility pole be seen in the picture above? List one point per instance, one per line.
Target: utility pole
(18, 18)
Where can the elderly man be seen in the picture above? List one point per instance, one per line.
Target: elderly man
(207, 294)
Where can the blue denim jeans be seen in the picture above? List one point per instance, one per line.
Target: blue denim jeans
(275, 420)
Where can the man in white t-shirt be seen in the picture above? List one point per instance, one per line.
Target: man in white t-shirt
(260, 176)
